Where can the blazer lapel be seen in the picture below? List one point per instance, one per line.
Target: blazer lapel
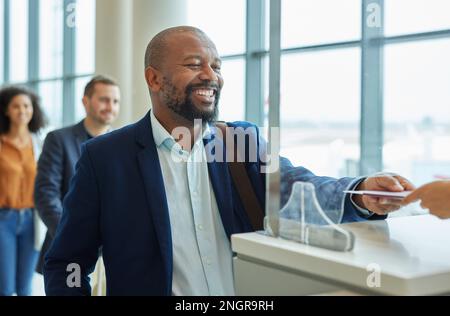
(154, 187)
(80, 136)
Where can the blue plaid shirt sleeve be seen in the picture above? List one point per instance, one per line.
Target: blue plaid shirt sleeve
(329, 191)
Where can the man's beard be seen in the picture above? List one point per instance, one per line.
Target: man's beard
(185, 107)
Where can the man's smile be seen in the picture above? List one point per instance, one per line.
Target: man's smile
(205, 95)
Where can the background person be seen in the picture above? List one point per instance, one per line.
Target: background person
(62, 149)
(21, 118)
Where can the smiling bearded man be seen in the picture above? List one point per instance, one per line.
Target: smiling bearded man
(165, 225)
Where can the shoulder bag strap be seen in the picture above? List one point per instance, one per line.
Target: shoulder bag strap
(244, 186)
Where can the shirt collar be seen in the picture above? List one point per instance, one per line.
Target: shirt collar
(162, 137)
(160, 134)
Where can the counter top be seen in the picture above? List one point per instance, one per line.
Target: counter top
(412, 255)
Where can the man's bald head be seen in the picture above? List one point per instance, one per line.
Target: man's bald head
(157, 48)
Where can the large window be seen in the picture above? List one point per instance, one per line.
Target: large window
(49, 46)
(360, 96)
(415, 16)
(355, 96)
(416, 98)
(51, 33)
(85, 37)
(51, 96)
(320, 85)
(225, 25)
(231, 45)
(337, 66)
(321, 130)
(306, 22)
(51, 56)
(321, 80)
(18, 41)
(417, 109)
(231, 106)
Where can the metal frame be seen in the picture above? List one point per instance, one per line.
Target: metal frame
(416, 37)
(33, 44)
(371, 121)
(273, 179)
(69, 38)
(254, 92)
(6, 59)
(305, 49)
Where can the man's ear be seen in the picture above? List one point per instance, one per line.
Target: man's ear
(85, 100)
(153, 78)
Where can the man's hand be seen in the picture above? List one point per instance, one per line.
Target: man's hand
(435, 196)
(382, 182)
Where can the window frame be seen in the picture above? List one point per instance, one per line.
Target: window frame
(33, 81)
(372, 65)
(371, 44)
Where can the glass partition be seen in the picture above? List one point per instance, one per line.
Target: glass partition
(367, 71)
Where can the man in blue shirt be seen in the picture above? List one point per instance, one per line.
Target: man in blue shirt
(157, 202)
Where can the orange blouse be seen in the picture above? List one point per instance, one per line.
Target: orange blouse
(17, 175)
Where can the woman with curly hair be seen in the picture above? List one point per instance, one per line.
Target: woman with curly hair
(21, 118)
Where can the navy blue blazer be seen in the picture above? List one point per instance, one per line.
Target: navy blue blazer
(56, 167)
(117, 200)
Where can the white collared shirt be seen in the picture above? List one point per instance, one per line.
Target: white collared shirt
(202, 256)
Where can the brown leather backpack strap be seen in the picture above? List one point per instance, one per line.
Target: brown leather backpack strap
(243, 185)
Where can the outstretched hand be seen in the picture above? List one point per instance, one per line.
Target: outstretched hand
(382, 182)
(434, 196)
